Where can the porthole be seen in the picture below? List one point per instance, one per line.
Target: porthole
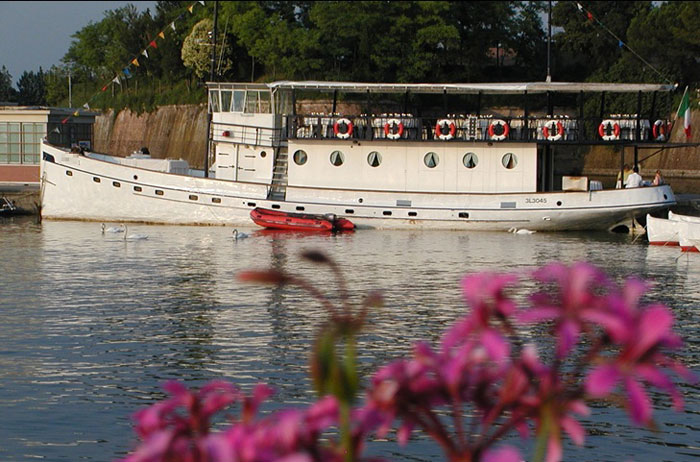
(300, 208)
(116, 184)
(509, 160)
(216, 200)
(431, 160)
(300, 157)
(337, 158)
(69, 173)
(470, 160)
(193, 197)
(138, 188)
(374, 159)
(263, 153)
(159, 192)
(96, 179)
(136, 177)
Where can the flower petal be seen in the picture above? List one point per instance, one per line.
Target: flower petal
(601, 380)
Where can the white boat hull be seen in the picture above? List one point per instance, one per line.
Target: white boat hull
(76, 187)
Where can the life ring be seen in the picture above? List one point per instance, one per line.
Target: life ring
(659, 130)
(342, 128)
(548, 130)
(440, 127)
(393, 129)
(502, 136)
(607, 125)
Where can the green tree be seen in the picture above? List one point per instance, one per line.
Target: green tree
(31, 89)
(7, 93)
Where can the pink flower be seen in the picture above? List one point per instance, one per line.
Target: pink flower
(579, 299)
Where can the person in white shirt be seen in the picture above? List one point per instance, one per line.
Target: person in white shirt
(635, 179)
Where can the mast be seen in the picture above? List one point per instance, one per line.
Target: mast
(549, 42)
(212, 78)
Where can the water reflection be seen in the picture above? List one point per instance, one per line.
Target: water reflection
(92, 325)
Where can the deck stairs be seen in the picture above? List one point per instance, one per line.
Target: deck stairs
(278, 187)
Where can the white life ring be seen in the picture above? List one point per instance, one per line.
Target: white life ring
(339, 132)
(498, 123)
(553, 130)
(445, 123)
(390, 126)
(659, 130)
(609, 125)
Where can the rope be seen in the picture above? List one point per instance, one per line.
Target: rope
(590, 16)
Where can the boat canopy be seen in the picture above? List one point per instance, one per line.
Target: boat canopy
(471, 88)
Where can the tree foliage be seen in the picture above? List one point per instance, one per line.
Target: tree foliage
(7, 93)
(374, 41)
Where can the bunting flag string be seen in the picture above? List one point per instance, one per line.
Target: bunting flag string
(620, 43)
(134, 61)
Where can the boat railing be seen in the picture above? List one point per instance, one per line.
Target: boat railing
(253, 135)
(614, 128)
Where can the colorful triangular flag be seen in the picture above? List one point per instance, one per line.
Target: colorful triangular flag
(105, 87)
(76, 113)
(161, 34)
(116, 80)
(153, 44)
(127, 72)
(135, 62)
(172, 26)
(190, 8)
(145, 53)
(86, 106)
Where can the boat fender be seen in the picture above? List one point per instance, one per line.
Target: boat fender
(553, 130)
(659, 130)
(609, 130)
(393, 129)
(342, 128)
(492, 132)
(445, 129)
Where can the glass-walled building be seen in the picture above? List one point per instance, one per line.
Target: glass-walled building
(22, 129)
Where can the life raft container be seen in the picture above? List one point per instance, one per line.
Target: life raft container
(445, 129)
(393, 129)
(609, 130)
(660, 130)
(342, 128)
(553, 130)
(492, 130)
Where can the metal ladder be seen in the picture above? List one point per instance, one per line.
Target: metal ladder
(278, 187)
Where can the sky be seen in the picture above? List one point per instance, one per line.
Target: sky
(38, 34)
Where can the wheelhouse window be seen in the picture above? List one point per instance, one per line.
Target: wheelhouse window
(238, 100)
(214, 100)
(226, 96)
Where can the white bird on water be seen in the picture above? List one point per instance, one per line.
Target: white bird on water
(112, 229)
(238, 236)
(521, 231)
(133, 237)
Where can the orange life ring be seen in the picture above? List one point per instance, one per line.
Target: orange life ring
(659, 130)
(441, 125)
(606, 124)
(393, 129)
(342, 123)
(502, 136)
(555, 124)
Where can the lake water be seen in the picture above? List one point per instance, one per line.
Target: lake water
(91, 325)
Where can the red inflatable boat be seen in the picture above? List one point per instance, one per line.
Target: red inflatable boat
(274, 219)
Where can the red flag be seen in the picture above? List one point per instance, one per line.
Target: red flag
(104, 88)
(65, 120)
(153, 44)
(590, 16)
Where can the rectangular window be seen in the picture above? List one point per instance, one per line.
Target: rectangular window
(251, 102)
(238, 99)
(4, 150)
(214, 100)
(226, 100)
